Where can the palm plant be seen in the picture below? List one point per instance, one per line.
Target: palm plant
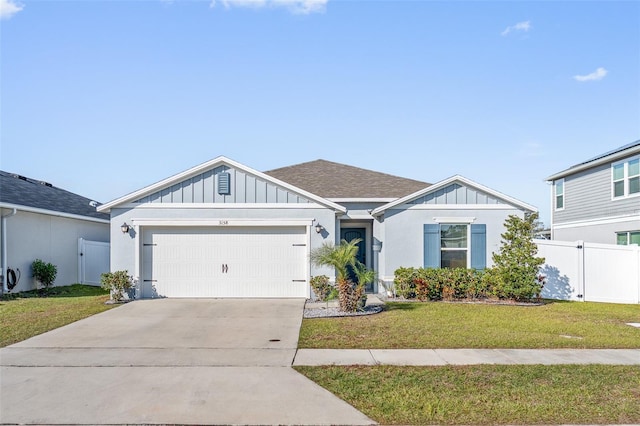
(342, 257)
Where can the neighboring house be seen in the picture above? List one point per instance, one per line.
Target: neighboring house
(222, 229)
(40, 221)
(598, 200)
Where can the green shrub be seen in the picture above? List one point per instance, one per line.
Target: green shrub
(428, 285)
(45, 273)
(477, 287)
(404, 282)
(117, 283)
(441, 284)
(516, 264)
(322, 287)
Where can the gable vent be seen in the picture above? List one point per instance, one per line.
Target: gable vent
(224, 183)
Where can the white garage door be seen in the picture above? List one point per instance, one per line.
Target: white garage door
(225, 262)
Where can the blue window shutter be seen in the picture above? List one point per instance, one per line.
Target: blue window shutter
(224, 183)
(431, 245)
(478, 246)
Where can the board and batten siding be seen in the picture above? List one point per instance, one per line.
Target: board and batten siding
(587, 195)
(456, 194)
(202, 188)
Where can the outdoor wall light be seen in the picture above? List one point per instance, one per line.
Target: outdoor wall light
(319, 228)
(124, 228)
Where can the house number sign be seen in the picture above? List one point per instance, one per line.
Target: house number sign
(223, 222)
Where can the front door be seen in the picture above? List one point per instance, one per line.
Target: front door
(349, 234)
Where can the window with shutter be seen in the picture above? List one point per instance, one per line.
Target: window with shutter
(455, 245)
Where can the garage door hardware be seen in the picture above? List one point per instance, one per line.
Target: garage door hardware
(225, 268)
(299, 245)
(299, 281)
(150, 281)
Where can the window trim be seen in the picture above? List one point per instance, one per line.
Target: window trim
(627, 234)
(555, 195)
(468, 243)
(625, 179)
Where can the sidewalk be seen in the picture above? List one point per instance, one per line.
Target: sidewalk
(433, 357)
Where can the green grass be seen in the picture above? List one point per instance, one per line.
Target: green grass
(456, 325)
(481, 395)
(28, 314)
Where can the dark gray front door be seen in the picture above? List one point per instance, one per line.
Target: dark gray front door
(349, 234)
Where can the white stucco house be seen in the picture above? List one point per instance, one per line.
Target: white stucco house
(41, 221)
(223, 229)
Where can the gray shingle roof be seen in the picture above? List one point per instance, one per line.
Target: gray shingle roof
(23, 191)
(334, 180)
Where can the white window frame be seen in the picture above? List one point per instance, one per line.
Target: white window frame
(624, 179)
(627, 234)
(555, 195)
(467, 248)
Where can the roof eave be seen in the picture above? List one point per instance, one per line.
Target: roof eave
(600, 161)
(48, 212)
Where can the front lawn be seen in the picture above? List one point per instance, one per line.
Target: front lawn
(28, 314)
(487, 394)
(433, 325)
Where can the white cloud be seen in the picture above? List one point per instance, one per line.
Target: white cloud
(598, 74)
(520, 26)
(301, 7)
(8, 8)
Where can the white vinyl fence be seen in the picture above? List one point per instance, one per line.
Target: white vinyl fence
(93, 261)
(590, 272)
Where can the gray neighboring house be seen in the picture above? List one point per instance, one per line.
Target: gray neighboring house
(598, 200)
(41, 221)
(222, 229)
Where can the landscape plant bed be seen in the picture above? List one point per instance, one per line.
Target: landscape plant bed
(437, 325)
(482, 301)
(487, 394)
(27, 314)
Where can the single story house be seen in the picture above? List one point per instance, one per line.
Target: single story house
(41, 221)
(222, 229)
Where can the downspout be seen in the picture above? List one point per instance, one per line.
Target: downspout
(4, 249)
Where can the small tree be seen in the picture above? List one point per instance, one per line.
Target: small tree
(44, 272)
(341, 257)
(117, 283)
(516, 266)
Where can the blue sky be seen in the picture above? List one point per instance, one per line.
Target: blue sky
(103, 98)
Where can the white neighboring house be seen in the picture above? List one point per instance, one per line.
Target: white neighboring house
(41, 221)
(598, 200)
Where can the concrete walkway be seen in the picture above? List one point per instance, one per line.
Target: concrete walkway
(427, 357)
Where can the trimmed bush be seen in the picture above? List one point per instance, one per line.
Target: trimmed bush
(404, 282)
(44, 272)
(321, 286)
(117, 283)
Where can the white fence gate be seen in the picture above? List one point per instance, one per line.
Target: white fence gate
(590, 272)
(93, 261)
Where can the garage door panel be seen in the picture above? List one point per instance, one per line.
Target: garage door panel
(226, 262)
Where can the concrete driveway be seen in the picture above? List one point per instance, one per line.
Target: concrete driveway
(169, 361)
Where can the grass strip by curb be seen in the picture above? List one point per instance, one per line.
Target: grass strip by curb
(487, 394)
